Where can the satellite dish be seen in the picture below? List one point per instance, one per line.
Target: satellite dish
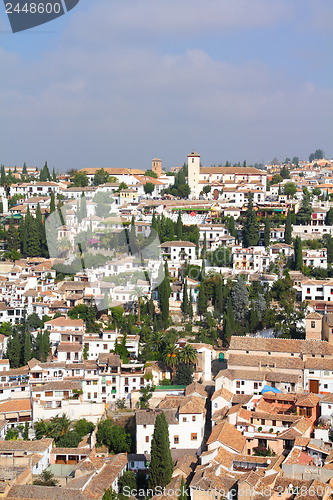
(269, 461)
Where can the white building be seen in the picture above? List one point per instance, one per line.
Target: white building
(178, 250)
(186, 420)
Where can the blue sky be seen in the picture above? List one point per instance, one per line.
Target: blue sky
(116, 83)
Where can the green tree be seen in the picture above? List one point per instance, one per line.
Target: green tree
(288, 229)
(83, 207)
(83, 427)
(207, 189)
(146, 394)
(202, 300)
(148, 188)
(239, 300)
(329, 217)
(317, 155)
(27, 347)
(33, 241)
(290, 189)
(182, 495)
(151, 173)
(80, 179)
(184, 375)
(179, 227)
(101, 177)
(251, 226)
(46, 478)
(188, 354)
(231, 227)
(298, 257)
(14, 349)
(295, 161)
(12, 236)
(184, 305)
(304, 214)
(52, 203)
(161, 464)
(267, 231)
(113, 436)
(26, 431)
(316, 191)
(204, 247)
(284, 172)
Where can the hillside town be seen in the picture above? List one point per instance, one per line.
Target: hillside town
(167, 332)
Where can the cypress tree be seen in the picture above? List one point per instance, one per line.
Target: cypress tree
(288, 229)
(164, 294)
(14, 350)
(24, 169)
(52, 203)
(184, 306)
(203, 270)
(78, 211)
(23, 236)
(190, 306)
(12, 237)
(1, 207)
(251, 226)
(230, 313)
(179, 227)
(219, 295)
(26, 431)
(54, 177)
(202, 299)
(231, 227)
(27, 350)
(154, 222)
(83, 207)
(182, 495)
(161, 463)
(298, 257)
(267, 231)
(227, 329)
(33, 241)
(329, 217)
(204, 247)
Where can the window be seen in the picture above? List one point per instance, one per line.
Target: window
(313, 324)
(176, 440)
(105, 346)
(147, 439)
(193, 418)
(89, 395)
(184, 419)
(194, 436)
(255, 385)
(95, 395)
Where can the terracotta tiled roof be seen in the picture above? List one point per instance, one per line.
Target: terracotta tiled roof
(280, 345)
(148, 417)
(223, 393)
(265, 361)
(15, 405)
(228, 435)
(38, 446)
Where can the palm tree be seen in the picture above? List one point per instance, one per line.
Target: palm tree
(171, 357)
(188, 354)
(157, 341)
(64, 246)
(138, 292)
